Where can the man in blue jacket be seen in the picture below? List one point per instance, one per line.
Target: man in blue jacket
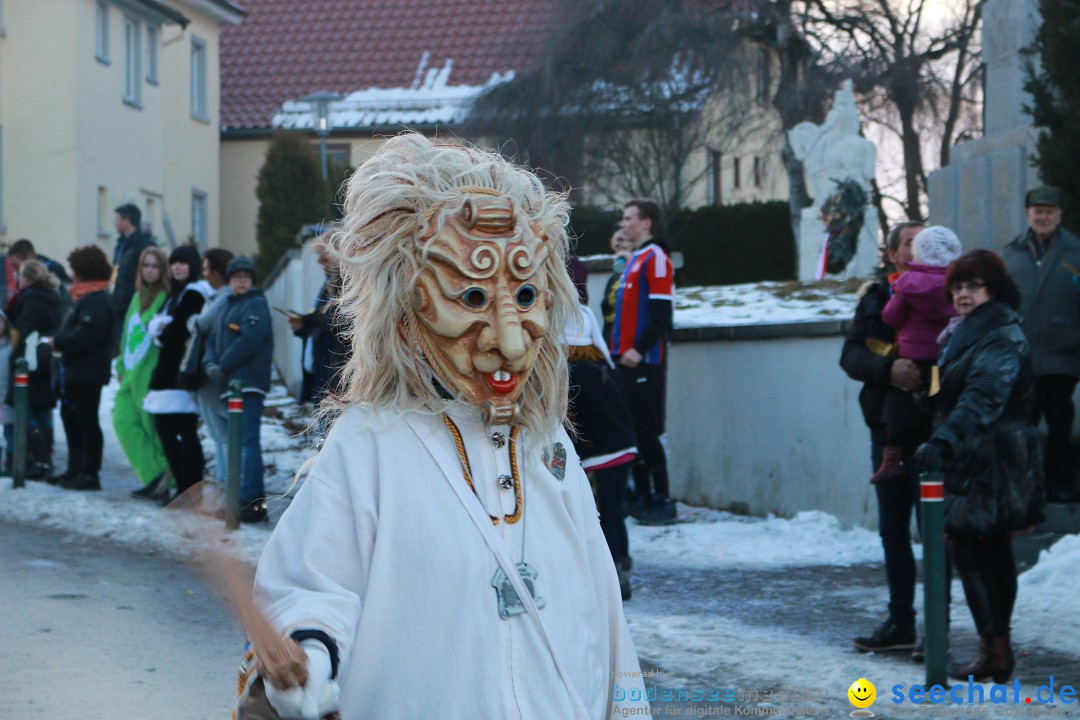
(241, 347)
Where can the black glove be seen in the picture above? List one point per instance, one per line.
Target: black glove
(214, 374)
(931, 455)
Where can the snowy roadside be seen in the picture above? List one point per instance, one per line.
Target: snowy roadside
(698, 650)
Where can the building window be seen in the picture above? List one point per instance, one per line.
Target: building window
(152, 55)
(101, 34)
(764, 78)
(737, 167)
(104, 216)
(133, 62)
(199, 222)
(199, 109)
(715, 194)
(758, 172)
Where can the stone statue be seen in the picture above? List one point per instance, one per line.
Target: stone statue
(832, 153)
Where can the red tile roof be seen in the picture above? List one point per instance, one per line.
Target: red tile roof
(286, 49)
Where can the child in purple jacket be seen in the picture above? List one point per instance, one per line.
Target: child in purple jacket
(918, 310)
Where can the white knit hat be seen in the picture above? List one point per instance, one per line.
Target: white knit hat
(936, 245)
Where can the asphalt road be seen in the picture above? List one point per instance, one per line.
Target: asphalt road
(92, 631)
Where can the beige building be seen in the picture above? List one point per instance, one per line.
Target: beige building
(419, 67)
(104, 102)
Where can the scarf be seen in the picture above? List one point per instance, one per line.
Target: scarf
(84, 287)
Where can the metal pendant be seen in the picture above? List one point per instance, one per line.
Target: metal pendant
(509, 602)
(555, 460)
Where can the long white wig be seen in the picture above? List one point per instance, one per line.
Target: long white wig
(402, 194)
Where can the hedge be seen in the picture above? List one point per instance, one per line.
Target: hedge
(721, 245)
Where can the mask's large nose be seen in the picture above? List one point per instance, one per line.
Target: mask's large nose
(509, 333)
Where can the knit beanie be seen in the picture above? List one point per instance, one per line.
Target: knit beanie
(240, 264)
(936, 245)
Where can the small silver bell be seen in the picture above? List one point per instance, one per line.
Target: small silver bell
(498, 439)
(506, 482)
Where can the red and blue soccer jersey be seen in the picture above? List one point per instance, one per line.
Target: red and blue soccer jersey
(648, 277)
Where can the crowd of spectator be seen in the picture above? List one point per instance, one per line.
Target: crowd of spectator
(175, 328)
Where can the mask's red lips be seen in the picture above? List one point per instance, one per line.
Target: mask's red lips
(501, 382)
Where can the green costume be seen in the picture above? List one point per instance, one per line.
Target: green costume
(134, 426)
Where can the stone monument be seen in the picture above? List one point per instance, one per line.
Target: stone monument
(980, 193)
(833, 152)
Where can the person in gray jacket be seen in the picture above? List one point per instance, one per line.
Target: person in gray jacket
(208, 396)
(241, 348)
(1043, 261)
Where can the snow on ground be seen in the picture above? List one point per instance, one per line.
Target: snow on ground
(765, 302)
(716, 650)
(721, 539)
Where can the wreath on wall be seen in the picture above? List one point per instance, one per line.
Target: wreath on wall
(843, 214)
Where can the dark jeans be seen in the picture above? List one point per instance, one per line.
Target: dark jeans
(611, 486)
(646, 392)
(251, 487)
(988, 571)
(896, 500)
(180, 441)
(79, 413)
(1054, 400)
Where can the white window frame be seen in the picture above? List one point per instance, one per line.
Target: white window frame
(715, 188)
(200, 219)
(200, 102)
(153, 37)
(101, 32)
(133, 77)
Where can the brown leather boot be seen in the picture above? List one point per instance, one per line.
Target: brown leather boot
(892, 466)
(1002, 660)
(979, 667)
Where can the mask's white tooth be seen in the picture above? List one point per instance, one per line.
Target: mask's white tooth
(501, 376)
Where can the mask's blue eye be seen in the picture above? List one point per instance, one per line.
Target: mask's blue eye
(526, 296)
(474, 297)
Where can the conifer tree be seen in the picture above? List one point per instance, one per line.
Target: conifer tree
(291, 194)
(1054, 85)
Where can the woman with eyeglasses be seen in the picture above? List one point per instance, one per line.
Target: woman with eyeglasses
(988, 449)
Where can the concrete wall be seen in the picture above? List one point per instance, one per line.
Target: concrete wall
(761, 419)
(294, 288)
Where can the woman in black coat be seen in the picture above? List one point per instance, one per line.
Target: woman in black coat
(36, 309)
(989, 450)
(84, 366)
(175, 413)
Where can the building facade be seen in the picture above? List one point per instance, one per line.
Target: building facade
(105, 102)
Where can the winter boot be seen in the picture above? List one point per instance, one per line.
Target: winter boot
(1002, 660)
(67, 476)
(892, 466)
(980, 666)
(38, 466)
(890, 635)
(83, 481)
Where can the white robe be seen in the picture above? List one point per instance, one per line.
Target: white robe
(378, 551)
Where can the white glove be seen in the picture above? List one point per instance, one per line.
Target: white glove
(319, 696)
(157, 324)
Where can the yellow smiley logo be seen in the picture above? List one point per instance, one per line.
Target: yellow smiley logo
(862, 693)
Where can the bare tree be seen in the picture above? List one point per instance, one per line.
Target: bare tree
(803, 84)
(630, 94)
(915, 78)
